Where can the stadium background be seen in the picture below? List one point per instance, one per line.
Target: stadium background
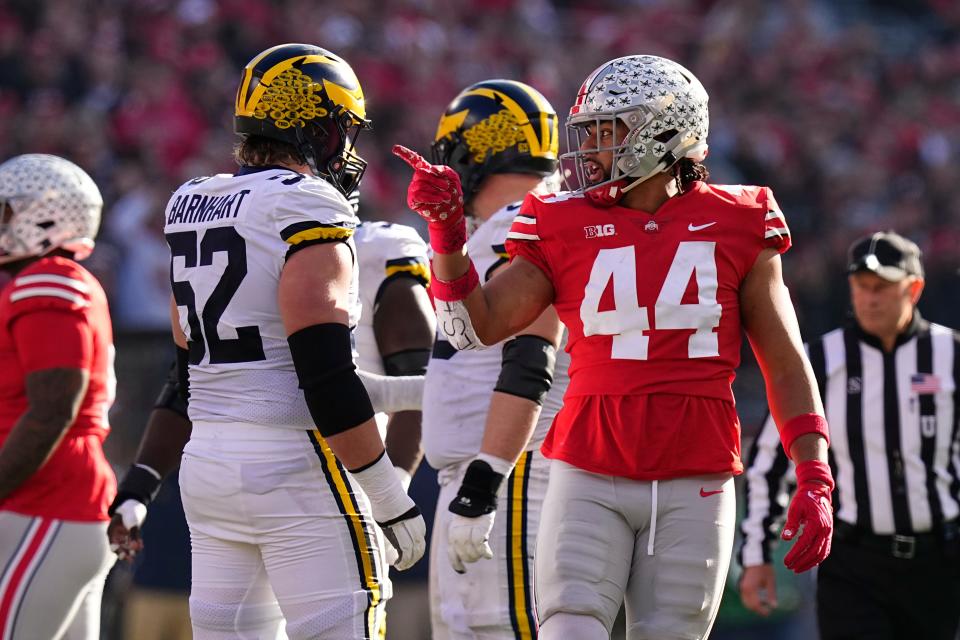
(849, 110)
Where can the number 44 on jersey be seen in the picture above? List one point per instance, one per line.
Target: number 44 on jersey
(628, 322)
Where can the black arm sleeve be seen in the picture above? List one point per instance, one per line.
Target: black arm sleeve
(410, 362)
(183, 374)
(527, 368)
(335, 395)
(170, 396)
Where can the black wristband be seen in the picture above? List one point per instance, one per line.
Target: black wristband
(139, 484)
(478, 491)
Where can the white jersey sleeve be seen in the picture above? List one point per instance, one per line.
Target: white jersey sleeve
(385, 251)
(229, 237)
(459, 384)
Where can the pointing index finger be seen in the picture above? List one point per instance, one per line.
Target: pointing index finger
(412, 158)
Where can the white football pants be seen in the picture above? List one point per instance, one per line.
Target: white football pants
(279, 531)
(493, 600)
(662, 548)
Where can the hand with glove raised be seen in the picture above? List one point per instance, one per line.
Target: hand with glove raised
(474, 510)
(811, 516)
(436, 195)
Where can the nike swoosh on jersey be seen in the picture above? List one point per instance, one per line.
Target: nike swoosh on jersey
(706, 494)
(698, 227)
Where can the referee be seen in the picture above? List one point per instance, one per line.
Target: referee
(888, 381)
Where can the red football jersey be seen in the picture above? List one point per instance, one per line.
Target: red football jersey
(54, 314)
(651, 303)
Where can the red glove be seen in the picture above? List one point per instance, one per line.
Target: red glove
(436, 195)
(812, 510)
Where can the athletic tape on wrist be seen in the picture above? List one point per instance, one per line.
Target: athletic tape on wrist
(802, 425)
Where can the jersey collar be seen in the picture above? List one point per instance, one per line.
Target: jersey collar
(246, 170)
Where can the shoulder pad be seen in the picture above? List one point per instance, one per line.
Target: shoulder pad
(51, 283)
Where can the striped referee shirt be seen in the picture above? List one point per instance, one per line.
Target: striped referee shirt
(894, 449)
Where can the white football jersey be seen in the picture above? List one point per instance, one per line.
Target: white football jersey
(459, 384)
(385, 251)
(229, 238)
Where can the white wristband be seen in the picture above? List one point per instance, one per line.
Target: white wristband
(405, 478)
(388, 499)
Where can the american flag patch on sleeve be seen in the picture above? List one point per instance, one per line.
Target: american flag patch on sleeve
(924, 383)
(523, 228)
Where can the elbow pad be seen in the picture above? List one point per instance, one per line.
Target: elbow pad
(527, 368)
(335, 395)
(183, 375)
(410, 362)
(170, 396)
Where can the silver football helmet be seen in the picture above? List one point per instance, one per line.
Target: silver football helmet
(663, 107)
(54, 204)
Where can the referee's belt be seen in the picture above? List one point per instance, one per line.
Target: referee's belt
(944, 541)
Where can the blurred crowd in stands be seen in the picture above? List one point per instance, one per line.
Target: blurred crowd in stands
(850, 111)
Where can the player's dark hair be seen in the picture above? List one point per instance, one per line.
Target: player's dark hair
(256, 151)
(686, 172)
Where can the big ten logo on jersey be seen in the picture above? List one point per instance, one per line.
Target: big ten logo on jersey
(600, 231)
(631, 324)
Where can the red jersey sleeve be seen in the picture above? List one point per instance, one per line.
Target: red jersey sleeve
(49, 339)
(524, 238)
(776, 233)
(48, 321)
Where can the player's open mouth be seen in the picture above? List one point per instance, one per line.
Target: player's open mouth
(593, 172)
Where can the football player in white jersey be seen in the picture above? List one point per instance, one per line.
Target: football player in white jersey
(394, 272)
(285, 474)
(482, 418)
(397, 325)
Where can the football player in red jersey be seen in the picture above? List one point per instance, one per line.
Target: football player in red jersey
(655, 273)
(56, 386)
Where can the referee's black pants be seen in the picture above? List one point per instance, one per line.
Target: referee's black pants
(865, 594)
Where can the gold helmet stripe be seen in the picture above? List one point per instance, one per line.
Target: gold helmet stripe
(248, 74)
(550, 134)
(537, 149)
(450, 123)
(351, 99)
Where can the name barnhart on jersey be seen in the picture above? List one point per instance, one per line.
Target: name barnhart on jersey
(192, 208)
